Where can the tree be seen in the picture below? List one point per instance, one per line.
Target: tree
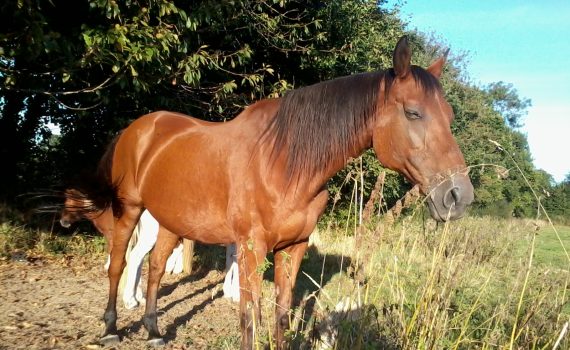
(556, 201)
(505, 99)
(90, 74)
(112, 61)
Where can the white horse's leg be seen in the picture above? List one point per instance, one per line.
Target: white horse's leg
(235, 280)
(174, 262)
(179, 266)
(231, 281)
(108, 262)
(228, 272)
(147, 233)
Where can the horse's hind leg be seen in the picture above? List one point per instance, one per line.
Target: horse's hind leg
(165, 243)
(121, 236)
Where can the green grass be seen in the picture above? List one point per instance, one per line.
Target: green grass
(23, 241)
(477, 283)
(548, 247)
(469, 284)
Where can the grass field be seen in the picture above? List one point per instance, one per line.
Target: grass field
(548, 250)
(468, 285)
(477, 283)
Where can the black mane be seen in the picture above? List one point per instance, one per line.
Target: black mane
(323, 122)
(95, 189)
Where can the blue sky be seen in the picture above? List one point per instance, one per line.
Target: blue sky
(526, 43)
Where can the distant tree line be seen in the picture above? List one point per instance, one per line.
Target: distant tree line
(557, 202)
(89, 67)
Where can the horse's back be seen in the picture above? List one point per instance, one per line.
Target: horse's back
(194, 171)
(155, 127)
(195, 176)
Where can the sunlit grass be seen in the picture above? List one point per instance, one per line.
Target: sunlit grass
(548, 251)
(464, 285)
(18, 240)
(476, 283)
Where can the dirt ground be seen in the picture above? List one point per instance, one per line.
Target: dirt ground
(58, 304)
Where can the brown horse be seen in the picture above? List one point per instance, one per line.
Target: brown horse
(259, 180)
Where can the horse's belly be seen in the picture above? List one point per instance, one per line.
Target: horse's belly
(188, 194)
(209, 229)
(189, 214)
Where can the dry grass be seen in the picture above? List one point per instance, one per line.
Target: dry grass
(410, 284)
(459, 286)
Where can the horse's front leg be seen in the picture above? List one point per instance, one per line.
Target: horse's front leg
(165, 243)
(251, 259)
(121, 236)
(287, 262)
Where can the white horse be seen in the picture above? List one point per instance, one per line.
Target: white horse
(144, 236)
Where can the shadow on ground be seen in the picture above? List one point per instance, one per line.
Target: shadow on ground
(335, 327)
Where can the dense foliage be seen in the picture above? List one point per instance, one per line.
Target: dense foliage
(558, 201)
(91, 73)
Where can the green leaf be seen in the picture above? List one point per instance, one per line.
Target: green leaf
(87, 39)
(134, 73)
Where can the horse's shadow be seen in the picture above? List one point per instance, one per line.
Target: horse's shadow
(320, 267)
(167, 289)
(315, 273)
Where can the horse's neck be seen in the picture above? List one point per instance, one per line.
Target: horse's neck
(261, 115)
(363, 143)
(315, 184)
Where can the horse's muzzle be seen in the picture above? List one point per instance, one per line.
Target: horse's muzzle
(449, 198)
(64, 223)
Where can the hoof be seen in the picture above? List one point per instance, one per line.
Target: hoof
(109, 340)
(155, 343)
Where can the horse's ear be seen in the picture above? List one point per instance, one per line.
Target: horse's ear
(437, 67)
(402, 57)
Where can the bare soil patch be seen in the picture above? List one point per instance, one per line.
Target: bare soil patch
(58, 304)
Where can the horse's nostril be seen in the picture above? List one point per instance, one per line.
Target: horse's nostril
(452, 196)
(456, 194)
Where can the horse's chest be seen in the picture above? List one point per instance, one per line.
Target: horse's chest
(297, 225)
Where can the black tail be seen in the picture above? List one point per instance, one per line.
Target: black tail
(107, 195)
(98, 186)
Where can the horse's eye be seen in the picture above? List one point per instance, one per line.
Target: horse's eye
(410, 114)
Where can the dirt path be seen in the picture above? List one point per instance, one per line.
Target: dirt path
(58, 305)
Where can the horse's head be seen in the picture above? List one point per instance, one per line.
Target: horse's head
(73, 208)
(78, 206)
(412, 135)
